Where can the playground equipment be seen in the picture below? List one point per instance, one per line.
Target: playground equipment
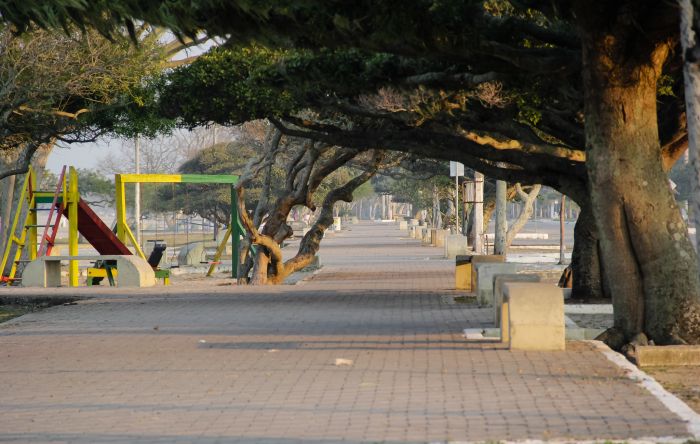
(65, 201)
(234, 231)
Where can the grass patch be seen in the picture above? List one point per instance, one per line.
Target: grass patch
(12, 307)
(8, 312)
(465, 299)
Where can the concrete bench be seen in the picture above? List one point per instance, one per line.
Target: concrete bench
(455, 244)
(437, 237)
(484, 273)
(498, 281)
(480, 259)
(46, 271)
(427, 235)
(535, 316)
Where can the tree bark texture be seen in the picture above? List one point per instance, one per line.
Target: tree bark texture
(588, 283)
(651, 266)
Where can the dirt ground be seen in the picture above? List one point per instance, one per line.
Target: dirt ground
(682, 381)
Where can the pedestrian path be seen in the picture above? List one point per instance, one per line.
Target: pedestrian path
(368, 350)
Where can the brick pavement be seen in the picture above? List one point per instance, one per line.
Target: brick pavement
(226, 364)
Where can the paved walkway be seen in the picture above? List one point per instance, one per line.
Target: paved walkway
(227, 364)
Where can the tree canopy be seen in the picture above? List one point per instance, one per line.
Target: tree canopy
(581, 96)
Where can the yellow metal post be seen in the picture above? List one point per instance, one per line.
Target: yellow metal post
(123, 231)
(120, 197)
(12, 233)
(73, 198)
(219, 251)
(31, 215)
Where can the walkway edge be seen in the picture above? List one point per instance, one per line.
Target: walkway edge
(671, 401)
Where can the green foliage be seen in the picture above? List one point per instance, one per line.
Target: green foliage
(91, 183)
(68, 84)
(235, 85)
(529, 108)
(211, 201)
(363, 191)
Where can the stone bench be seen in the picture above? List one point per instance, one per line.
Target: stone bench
(45, 271)
(483, 259)
(455, 244)
(483, 272)
(498, 281)
(533, 316)
(437, 237)
(465, 278)
(426, 236)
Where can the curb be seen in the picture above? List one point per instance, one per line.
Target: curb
(673, 403)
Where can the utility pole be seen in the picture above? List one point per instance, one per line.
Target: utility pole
(457, 221)
(137, 190)
(478, 213)
(562, 246)
(501, 222)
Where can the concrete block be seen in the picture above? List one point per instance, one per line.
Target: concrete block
(455, 244)
(354, 220)
(463, 272)
(426, 236)
(485, 271)
(134, 272)
(484, 258)
(535, 314)
(439, 237)
(191, 254)
(46, 271)
(667, 355)
(498, 281)
(403, 225)
(413, 222)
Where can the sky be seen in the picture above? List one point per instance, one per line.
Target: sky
(88, 155)
(79, 155)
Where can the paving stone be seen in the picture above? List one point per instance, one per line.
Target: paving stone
(99, 372)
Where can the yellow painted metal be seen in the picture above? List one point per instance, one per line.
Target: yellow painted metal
(136, 245)
(19, 242)
(72, 203)
(31, 217)
(123, 231)
(120, 197)
(149, 178)
(219, 251)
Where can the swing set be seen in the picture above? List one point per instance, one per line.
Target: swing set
(235, 229)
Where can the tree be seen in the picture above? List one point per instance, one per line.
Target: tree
(307, 166)
(561, 63)
(52, 83)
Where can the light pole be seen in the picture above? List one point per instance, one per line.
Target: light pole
(137, 190)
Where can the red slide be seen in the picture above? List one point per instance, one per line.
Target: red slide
(97, 233)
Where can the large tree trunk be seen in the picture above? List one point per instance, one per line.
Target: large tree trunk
(261, 264)
(651, 267)
(586, 266)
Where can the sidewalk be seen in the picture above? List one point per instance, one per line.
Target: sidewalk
(231, 364)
